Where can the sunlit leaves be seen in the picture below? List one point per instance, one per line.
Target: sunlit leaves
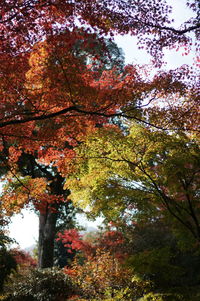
(18, 192)
(146, 168)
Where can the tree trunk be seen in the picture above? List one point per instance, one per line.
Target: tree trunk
(28, 166)
(47, 231)
(47, 225)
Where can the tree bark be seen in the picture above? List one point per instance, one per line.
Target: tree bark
(47, 231)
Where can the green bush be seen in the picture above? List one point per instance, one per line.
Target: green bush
(42, 285)
(7, 265)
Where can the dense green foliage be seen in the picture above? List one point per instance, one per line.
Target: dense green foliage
(145, 171)
(41, 285)
(146, 182)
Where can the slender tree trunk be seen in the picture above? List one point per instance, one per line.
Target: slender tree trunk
(47, 231)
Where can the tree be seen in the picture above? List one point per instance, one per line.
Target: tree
(62, 67)
(26, 22)
(141, 171)
(155, 253)
(109, 241)
(41, 186)
(41, 66)
(25, 156)
(8, 264)
(151, 22)
(101, 257)
(61, 81)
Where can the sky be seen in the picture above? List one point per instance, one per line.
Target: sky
(24, 227)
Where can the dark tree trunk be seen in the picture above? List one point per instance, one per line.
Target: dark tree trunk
(47, 225)
(29, 166)
(47, 231)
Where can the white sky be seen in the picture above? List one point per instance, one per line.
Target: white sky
(24, 228)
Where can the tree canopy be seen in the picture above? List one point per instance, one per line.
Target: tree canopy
(141, 170)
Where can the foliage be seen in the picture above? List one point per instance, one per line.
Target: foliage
(145, 171)
(8, 262)
(151, 22)
(7, 265)
(161, 297)
(62, 78)
(154, 253)
(4, 238)
(71, 77)
(35, 156)
(43, 187)
(24, 259)
(46, 284)
(63, 85)
(101, 276)
(89, 244)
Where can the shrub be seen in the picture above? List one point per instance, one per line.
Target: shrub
(7, 265)
(42, 285)
(102, 277)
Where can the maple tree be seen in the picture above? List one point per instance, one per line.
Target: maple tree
(109, 241)
(38, 53)
(144, 169)
(57, 69)
(151, 22)
(25, 22)
(103, 277)
(26, 153)
(63, 83)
